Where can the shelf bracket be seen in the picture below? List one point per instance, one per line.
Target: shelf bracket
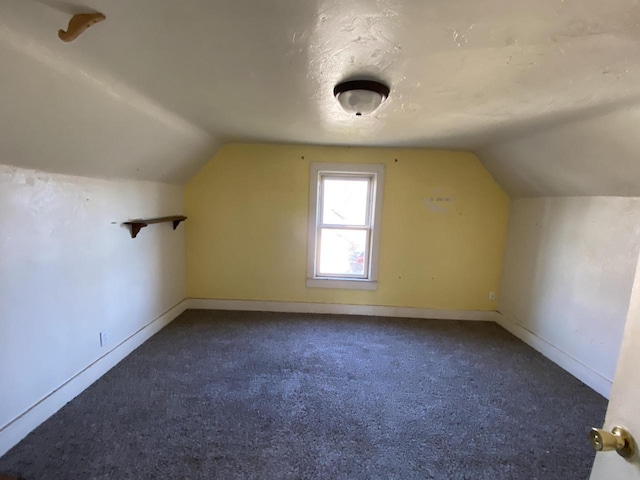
(78, 24)
(136, 227)
(177, 222)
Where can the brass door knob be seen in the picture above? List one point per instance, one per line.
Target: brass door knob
(619, 439)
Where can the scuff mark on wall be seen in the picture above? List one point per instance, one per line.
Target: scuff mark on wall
(438, 202)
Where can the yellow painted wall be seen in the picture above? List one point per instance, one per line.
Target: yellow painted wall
(247, 229)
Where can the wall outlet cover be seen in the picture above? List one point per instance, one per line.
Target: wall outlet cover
(104, 338)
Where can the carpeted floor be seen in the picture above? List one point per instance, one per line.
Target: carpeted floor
(238, 395)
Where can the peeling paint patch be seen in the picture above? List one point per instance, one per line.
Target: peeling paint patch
(438, 204)
(460, 36)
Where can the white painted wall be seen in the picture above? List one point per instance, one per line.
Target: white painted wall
(568, 272)
(69, 269)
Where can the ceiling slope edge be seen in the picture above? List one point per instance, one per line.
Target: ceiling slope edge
(89, 123)
(592, 156)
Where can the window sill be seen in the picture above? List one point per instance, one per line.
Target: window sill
(355, 284)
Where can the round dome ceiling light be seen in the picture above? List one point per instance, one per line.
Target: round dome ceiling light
(360, 97)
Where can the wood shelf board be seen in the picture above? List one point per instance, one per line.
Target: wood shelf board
(149, 221)
(137, 224)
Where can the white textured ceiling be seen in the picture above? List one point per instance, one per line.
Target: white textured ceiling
(152, 92)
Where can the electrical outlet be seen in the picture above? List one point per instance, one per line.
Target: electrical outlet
(492, 295)
(104, 338)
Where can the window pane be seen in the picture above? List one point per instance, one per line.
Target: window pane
(342, 252)
(345, 201)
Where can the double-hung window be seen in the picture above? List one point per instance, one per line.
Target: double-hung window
(345, 209)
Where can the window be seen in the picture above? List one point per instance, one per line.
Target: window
(345, 207)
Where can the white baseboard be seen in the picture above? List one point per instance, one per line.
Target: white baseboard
(576, 368)
(23, 424)
(335, 308)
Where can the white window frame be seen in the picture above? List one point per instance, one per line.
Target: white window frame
(369, 280)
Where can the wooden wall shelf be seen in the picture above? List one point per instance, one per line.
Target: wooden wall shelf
(136, 225)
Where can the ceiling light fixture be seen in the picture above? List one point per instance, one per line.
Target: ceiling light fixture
(360, 97)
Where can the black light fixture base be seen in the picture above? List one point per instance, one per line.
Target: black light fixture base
(370, 85)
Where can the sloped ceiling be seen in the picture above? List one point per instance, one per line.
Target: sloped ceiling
(586, 157)
(153, 91)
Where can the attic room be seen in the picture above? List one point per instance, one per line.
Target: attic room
(480, 322)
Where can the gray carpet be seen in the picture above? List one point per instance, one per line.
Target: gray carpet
(237, 395)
